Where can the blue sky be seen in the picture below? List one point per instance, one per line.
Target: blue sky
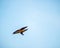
(42, 18)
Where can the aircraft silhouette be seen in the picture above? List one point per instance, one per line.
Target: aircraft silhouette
(23, 29)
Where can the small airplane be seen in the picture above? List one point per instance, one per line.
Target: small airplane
(23, 29)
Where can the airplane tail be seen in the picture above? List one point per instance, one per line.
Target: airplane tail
(21, 33)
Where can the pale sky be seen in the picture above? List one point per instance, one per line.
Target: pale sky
(42, 18)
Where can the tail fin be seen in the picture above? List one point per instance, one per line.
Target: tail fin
(21, 33)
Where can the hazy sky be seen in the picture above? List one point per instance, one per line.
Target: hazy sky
(42, 18)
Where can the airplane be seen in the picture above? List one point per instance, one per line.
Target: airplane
(23, 29)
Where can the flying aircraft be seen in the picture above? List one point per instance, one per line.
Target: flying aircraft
(23, 29)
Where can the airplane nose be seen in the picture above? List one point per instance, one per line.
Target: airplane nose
(14, 32)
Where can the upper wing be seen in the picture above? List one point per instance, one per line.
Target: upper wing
(23, 27)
